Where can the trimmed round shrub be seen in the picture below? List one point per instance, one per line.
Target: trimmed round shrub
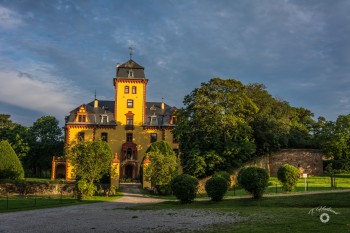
(254, 180)
(224, 175)
(10, 166)
(184, 187)
(216, 187)
(288, 175)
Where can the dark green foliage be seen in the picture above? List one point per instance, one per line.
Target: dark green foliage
(161, 170)
(216, 187)
(225, 175)
(47, 141)
(288, 175)
(91, 161)
(334, 137)
(159, 147)
(224, 124)
(339, 166)
(184, 187)
(254, 180)
(10, 166)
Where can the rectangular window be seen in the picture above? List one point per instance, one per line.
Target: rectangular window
(134, 90)
(129, 120)
(126, 90)
(130, 103)
(81, 118)
(104, 119)
(104, 137)
(129, 137)
(153, 120)
(81, 136)
(153, 137)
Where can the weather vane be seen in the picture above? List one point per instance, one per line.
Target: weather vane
(131, 49)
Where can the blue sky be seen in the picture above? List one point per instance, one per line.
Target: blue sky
(54, 54)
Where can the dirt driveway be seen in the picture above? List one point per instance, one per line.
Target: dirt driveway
(112, 217)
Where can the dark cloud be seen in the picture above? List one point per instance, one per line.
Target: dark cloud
(298, 49)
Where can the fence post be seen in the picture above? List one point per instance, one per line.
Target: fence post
(61, 195)
(307, 186)
(34, 199)
(234, 190)
(7, 201)
(276, 188)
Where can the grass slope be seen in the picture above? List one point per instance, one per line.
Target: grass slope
(276, 214)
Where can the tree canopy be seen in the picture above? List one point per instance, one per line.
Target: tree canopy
(46, 141)
(163, 167)
(91, 160)
(225, 123)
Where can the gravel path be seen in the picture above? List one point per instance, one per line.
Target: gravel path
(113, 217)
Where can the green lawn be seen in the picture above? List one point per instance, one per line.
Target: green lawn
(316, 183)
(275, 214)
(19, 203)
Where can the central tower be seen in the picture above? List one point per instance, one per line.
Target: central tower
(130, 95)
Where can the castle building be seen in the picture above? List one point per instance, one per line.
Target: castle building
(129, 124)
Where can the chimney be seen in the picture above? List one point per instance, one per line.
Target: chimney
(95, 103)
(162, 104)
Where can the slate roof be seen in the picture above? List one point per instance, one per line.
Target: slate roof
(105, 108)
(123, 70)
(155, 115)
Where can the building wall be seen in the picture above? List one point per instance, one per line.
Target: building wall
(308, 161)
(139, 100)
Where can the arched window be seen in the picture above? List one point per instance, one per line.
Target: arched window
(126, 90)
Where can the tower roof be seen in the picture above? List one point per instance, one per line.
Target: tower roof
(130, 69)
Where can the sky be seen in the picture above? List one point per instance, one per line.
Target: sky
(55, 54)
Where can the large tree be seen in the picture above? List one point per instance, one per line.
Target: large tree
(278, 125)
(91, 160)
(163, 167)
(213, 129)
(161, 170)
(46, 142)
(334, 137)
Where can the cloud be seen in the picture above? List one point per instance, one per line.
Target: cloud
(9, 19)
(35, 88)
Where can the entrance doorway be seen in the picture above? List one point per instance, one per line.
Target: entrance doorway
(128, 171)
(61, 171)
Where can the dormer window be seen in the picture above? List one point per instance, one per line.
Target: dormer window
(153, 120)
(81, 118)
(104, 119)
(130, 73)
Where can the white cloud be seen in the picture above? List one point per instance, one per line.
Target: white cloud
(9, 19)
(38, 90)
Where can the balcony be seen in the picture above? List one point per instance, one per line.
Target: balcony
(129, 127)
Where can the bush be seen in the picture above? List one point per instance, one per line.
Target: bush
(224, 175)
(216, 187)
(254, 180)
(10, 166)
(85, 188)
(185, 188)
(288, 175)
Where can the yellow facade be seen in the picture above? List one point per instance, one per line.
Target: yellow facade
(128, 123)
